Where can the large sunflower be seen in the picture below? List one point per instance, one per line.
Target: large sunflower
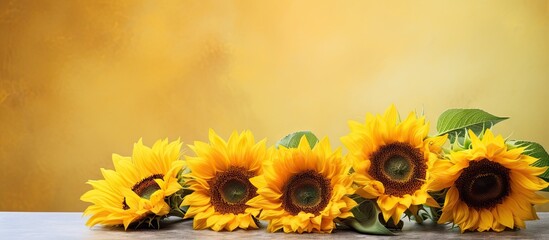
(490, 186)
(304, 189)
(137, 187)
(219, 177)
(393, 161)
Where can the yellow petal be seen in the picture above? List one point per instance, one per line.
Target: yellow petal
(387, 202)
(486, 220)
(505, 216)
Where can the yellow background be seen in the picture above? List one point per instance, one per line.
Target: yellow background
(80, 80)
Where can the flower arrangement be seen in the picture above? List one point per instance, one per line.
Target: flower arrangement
(464, 175)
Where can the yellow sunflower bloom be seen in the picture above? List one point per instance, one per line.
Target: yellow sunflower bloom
(304, 189)
(490, 186)
(137, 187)
(219, 177)
(393, 161)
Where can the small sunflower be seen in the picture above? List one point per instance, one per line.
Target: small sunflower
(137, 187)
(490, 186)
(393, 161)
(219, 177)
(304, 189)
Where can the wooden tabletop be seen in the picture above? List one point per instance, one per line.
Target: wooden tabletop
(70, 225)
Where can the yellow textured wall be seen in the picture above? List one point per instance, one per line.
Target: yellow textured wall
(80, 80)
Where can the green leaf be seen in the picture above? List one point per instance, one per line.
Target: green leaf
(292, 140)
(455, 122)
(366, 219)
(535, 150)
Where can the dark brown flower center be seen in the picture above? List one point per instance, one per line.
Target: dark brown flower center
(483, 184)
(306, 191)
(145, 188)
(400, 167)
(230, 190)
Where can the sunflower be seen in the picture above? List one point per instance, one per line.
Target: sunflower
(304, 189)
(219, 177)
(490, 186)
(137, 187)
(393, 161)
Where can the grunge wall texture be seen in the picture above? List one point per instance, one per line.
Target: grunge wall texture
(80, 80)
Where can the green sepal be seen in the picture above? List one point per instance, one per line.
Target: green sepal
(427, 212)
(439, 197)
(423, 213)
(292, 140)
(366, 218)
(175, 200)
(535, 150)
(455, 122)
(150, 221)
(462, 141)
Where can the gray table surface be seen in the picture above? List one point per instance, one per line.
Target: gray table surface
(70, 225)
